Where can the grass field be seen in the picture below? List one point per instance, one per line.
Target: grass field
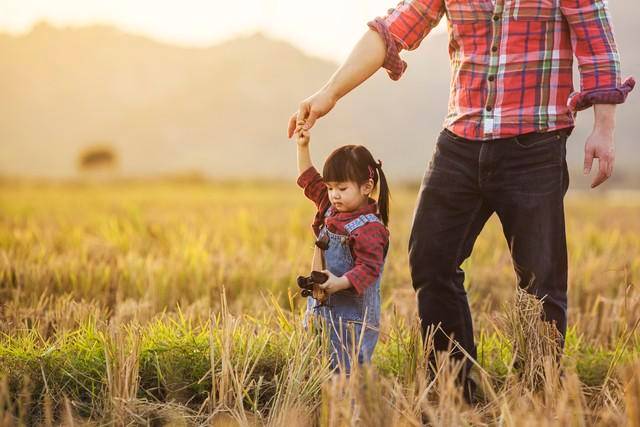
(175, 303)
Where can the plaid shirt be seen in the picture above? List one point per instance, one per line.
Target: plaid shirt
(512, 60)
(368, 243)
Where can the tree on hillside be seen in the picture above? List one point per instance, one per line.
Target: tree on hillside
(98, 159)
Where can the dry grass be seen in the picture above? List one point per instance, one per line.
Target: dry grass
(172, 304)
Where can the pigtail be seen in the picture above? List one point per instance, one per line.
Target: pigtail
(383, 195)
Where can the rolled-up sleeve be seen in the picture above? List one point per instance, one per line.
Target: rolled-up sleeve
(598, 58)
(315, 190)
(404, 27)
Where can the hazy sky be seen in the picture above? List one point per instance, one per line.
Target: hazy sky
(326, 28)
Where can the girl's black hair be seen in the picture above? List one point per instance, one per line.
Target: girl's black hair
(355, 163)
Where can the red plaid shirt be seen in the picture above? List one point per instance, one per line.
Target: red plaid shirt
(512, 60)
(368, 243)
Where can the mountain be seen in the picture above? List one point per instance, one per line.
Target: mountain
(222, 110)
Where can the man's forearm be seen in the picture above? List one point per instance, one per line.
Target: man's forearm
(365, 59)
(604, 118)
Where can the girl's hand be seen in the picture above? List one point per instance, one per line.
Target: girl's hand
(302, 136)
(334, 284)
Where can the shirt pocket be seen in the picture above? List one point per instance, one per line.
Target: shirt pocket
(465, 12)
(534, 10)
(469, 21)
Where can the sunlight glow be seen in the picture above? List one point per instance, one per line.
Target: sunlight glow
(327, 29)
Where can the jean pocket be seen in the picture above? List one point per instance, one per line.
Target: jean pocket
(528, 141)
(347, 305)
(447, 134)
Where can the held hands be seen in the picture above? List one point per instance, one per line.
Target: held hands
(310, 110)
(334, 284)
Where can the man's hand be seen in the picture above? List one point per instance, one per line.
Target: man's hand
(600, 144)
(334, 284)
(312, 109)
(366, 57)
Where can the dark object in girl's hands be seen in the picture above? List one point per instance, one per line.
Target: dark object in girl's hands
(323, 242)
(306, 283)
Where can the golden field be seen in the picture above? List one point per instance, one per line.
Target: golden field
(174, 302)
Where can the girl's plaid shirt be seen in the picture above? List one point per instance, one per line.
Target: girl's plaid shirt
(512, 60)
(368, 243)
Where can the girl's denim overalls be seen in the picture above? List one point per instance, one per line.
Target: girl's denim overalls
(345, 313)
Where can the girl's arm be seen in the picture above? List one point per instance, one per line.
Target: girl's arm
(309, 178)
(369, 245)
(369, 248)
(304, 157)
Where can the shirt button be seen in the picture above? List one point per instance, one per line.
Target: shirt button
(489, 108)
(492, 78)
(494, 49)
(496, 17)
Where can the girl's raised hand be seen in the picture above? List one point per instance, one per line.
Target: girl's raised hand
(302, 136)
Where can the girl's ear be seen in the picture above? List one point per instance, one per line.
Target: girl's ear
(367, 188)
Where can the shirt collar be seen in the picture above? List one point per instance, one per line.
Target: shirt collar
(370, 208)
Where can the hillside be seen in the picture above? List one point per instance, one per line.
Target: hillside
(222, 110)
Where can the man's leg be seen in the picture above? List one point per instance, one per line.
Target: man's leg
(527, 190)
(449, 215)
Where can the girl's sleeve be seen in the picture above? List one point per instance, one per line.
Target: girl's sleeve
(369, 245)
(314, 189)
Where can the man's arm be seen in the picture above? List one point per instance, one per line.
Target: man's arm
(598, 59)
(365, 59)
(403, 28)
(601, 85)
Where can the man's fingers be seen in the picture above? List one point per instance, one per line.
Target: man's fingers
(588, 161)
(292, 124)
(610, 161)
(297, 118)
(310, 120)
(303, 112)
(603, 172)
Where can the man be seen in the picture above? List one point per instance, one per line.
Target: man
(503, 148)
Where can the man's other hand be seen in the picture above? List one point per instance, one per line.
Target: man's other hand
(599, 146)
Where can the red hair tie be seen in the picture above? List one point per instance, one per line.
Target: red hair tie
(371, 175)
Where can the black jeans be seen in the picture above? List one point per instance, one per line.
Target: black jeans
(523, 180)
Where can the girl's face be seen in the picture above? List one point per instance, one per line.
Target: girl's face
(348, 196)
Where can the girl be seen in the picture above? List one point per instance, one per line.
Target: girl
(352, 226)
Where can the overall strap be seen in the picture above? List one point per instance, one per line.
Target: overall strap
(360, 221)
